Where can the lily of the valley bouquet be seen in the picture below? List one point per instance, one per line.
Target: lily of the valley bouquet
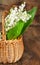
(18, 20)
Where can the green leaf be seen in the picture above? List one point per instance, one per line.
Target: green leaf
(21, 26)
(15, 31)
(32, 12)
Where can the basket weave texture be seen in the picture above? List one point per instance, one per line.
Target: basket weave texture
(10, 50)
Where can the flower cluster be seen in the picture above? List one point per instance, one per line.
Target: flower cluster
(15, 15)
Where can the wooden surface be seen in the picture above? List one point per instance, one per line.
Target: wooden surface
(31, 37)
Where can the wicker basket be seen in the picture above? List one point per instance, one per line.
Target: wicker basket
(10, 50)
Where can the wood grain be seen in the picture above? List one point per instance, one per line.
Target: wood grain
(31, 37)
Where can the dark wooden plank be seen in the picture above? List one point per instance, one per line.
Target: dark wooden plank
(32, 39)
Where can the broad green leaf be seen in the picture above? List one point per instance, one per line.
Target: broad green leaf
(21, 26)
(32, 12)
(15, 31)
